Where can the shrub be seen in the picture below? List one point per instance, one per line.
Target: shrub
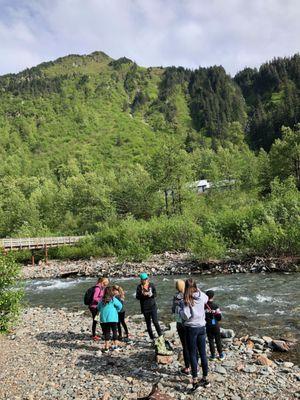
(208, 247)
(267, 239)
(9, 296)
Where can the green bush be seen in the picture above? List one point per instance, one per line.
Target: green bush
(208, 247)
(10, 296)
(234, 225)
(268, 239)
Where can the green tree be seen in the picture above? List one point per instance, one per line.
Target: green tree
(9, 296)
(285, 155)
(170, 167)
(135, 193)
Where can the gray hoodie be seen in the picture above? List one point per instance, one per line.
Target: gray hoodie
(195, 316)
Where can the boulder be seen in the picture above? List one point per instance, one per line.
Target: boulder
(287, 364)
(257, 340)
(267, 339)
(166, 360)
(280, 345)
(250, 369)
(220, 370)
(263, 360)
(157, 394)
(227, 333)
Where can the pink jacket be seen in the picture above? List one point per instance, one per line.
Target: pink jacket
(98, 294)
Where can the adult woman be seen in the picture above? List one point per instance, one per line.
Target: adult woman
(97, 297)
(109, 308)
(146, 293)
(177, 301)
(193, 314)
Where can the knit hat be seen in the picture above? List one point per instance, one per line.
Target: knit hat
(210, 294)
(180, 285)
(143, 276)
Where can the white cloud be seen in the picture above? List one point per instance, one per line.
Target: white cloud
(234, 33)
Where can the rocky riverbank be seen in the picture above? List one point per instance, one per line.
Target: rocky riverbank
(51, 356)
(163, 264)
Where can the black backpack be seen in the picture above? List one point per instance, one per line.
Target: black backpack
(89, 295)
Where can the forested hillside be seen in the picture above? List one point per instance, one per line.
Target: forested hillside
(89, 144)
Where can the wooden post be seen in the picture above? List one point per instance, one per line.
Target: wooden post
(32, 258)
(46, 254)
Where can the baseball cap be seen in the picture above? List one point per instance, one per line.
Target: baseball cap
(143, 276)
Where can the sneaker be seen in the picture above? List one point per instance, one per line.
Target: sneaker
(185, 371)
(96, 338)
(212, 358)
(196, 386)
(204, 383)
(105, 350)
(115, 348)
(222, 357)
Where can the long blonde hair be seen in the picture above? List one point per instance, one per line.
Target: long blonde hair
(120, 291)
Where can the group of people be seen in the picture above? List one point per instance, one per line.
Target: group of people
(195, 312)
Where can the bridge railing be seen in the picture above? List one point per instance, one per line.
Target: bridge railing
(38, 243)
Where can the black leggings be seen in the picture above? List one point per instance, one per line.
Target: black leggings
(94, 313)
(122, 323)
(107, 327)
(182, 336)
(152, 315)
(213, 334)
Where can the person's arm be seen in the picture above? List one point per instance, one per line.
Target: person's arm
(185, 312)
(138, 294)
(118, 304)
(217, 313)
(174, 305)
(97, 294)
(154, 294)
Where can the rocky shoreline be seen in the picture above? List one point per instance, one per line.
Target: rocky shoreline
(162, 264)
(50, 355)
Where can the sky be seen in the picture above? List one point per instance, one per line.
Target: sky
(190, 33)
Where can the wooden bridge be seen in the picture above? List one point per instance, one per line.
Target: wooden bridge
(38, 243)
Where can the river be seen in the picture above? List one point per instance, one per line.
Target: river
(257, 304)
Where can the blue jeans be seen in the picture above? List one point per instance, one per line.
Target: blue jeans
(195, 338)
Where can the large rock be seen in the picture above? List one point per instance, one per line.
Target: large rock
(257, 340)
(171, 333)
(164, 359)
(157, 394)
(263, 360)
(250, 369)
(267, 339)
(227, 333)
(220, 370)
(280, 345)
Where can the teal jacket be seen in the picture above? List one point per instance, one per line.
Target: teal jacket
(109, 311)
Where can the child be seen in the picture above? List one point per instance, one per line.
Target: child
(97, 297)
(120, 295)
(213, 316)
(109, 308)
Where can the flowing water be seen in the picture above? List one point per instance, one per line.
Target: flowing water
(256, 304)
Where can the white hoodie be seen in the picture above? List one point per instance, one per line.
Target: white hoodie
(195, 316)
